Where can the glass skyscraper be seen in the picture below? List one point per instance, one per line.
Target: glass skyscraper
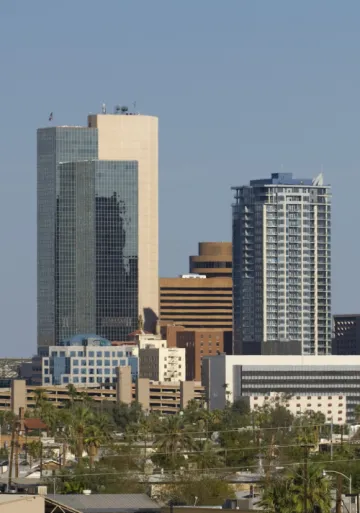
(88, 238)
(282, 266)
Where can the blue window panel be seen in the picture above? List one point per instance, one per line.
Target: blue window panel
(83, 362)
(91, 354)
(91, 379)
(98, 380)
(91, 363)
(99, 363)
(107, 371)
(120, 354)
(76, 371)
(65, 379)
(46, 371)
(62, 353)
(122, 362)
(72, 353)
(80, 353)
(83, 370)
(83, 380)
(75, 380)
(54, 353)
(47, 380)
(75, 362)
(91, 371)
(115, 363)
(99, 371)
(99, 354)
(107, 354)
(107, 363)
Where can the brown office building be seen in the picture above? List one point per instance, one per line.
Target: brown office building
(214, 260)
(201, 300)
(197, 343)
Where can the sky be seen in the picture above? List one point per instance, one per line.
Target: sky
(242, 89)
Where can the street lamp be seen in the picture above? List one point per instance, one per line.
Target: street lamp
(349, 478)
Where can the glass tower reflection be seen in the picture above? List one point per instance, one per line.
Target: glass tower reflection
(87, 238)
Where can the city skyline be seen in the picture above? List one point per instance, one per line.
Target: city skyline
(248, 92)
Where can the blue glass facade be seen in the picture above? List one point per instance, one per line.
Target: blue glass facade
(87, 238)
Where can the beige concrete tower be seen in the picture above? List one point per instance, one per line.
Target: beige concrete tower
(135, 137)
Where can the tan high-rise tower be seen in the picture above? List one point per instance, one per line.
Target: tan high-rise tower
(135, 137)
(97, 223)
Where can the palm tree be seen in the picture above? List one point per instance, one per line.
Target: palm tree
(173, 439)
(277, 497)
(205, 456)
(80, 420)
(318, 493)
(73, 393)
(40, 397)
(93, 439)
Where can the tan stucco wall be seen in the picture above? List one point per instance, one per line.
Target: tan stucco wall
(27, 504)
(135, 137)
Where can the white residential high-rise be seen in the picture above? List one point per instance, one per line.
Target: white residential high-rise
(282, 266)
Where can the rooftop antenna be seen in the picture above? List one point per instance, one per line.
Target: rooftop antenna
(103, 108)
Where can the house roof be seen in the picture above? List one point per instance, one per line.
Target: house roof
(34, 424)
(107, 503)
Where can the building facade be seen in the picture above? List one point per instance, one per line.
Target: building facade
(346, 334)
(162, 364)
(97, 227)
(195, 301)
(333, 407)
(228, 378)
(86, 361)
(214, 260)
(197, 343)
(282, 266)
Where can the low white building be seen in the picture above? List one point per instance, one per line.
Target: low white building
(165, 364)
(230, 377)
(333, 407)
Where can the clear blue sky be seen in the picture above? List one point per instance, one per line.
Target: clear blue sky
(242, 89)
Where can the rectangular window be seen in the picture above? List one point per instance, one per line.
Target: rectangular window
(83, 362)
(80, 353)
(83, 370)
(75, 363)
(65, 379)
(75, 380)
(91, 354)
(76, 371)
(54, 353)
(115, 363)
(120, 354)
(107, 371)
(107, 363)
(99, 371)
(122, 362)
(72, 353)
(83, 380)
(99, 354)
(91, 362)
(99, 363)
(107, 354)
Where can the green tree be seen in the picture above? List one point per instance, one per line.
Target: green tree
(205, 456)
(174, 438)
(203, 490)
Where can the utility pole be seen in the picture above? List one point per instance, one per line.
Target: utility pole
(11, 455)
(41, 459)
(338, 492)
(306, 459)
(331, 440)
(16, 450)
